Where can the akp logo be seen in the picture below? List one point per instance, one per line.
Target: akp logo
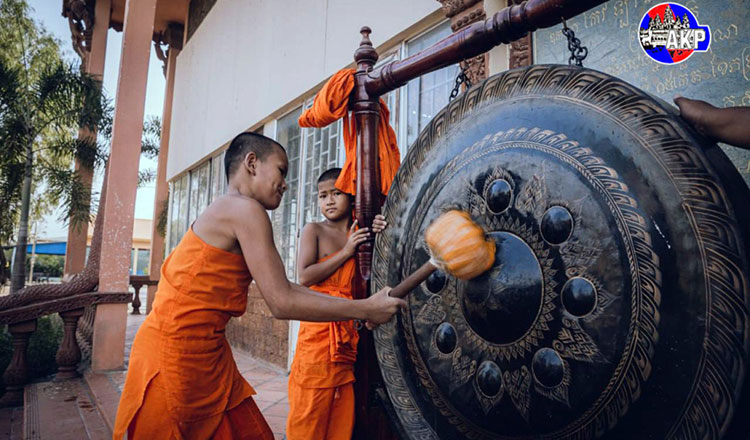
(670, 33)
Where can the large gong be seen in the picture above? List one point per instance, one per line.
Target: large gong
(618, 303)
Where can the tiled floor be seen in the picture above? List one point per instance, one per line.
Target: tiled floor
(270, 384)
(269, 381)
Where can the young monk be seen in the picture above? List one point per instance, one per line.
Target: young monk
(321, 392)
(182, 381)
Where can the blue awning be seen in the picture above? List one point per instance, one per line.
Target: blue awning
(57, 248)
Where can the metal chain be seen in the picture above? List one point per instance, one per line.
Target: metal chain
(462, 78)
(578, 53)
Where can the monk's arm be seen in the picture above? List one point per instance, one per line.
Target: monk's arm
(310, 270)
(728, 125)
(253, 231)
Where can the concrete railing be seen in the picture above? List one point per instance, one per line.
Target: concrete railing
(21, 322)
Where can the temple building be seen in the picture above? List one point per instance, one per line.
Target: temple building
(260, 79)
(233, 66)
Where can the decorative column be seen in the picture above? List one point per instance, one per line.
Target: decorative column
(173, 38)
(69, 354)
(110, 322)
(89, 22)
(17, 373)
(463, 13)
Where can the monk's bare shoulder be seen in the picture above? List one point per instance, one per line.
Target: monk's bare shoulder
(220, 221)
(311, 229)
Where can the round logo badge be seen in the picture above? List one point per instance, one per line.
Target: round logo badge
(670, 33)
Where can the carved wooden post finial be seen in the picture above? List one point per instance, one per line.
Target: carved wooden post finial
(365, 53)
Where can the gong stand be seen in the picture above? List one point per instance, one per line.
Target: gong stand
(506, 26)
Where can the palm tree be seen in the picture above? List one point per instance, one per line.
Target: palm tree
(43, 103)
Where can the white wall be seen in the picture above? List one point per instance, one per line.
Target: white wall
(250, 58)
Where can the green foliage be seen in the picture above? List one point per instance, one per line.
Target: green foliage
(43, 346)
(43, 102)
(49, 265)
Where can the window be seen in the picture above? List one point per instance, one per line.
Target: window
(428, 94)
(284, 218)
(178, 219)
(218, 179)
(199, 190)
(391, 98)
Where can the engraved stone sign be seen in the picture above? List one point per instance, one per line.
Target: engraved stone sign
(720, 76)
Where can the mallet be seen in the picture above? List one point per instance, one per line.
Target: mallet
(457, 246)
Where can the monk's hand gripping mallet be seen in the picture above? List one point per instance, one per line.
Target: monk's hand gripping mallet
(457, 245)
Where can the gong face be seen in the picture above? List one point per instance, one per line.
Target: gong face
(619, 265)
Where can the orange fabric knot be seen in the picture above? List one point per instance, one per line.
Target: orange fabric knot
(332, 104)
(342, 335)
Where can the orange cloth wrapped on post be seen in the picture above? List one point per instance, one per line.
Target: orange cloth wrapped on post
(182, 380)
(332, 104)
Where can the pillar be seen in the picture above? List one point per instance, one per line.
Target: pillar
(174, 39)
(75, 252)
(461, 14)
(110, 322)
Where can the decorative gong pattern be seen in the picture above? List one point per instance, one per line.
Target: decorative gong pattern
(560, 338)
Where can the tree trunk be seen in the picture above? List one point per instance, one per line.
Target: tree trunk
(17, 279)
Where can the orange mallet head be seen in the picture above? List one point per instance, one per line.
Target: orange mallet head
(459, 246)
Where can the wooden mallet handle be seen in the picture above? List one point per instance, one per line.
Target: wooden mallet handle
(409, 283)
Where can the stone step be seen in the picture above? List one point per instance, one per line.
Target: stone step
(61, 411)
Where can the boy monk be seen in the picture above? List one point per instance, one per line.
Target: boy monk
(321, 392)
(182, 381)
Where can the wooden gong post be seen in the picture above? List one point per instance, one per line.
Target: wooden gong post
(370, 419)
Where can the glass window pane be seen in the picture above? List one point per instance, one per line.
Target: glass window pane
(215, 177)
(184, 192)
(174, 194)
(204, 186)
(429, 93)
(284, 218)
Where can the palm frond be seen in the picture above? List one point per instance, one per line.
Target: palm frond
(151, 137)
(66, 97)
(145, 177)
(74, 197)
(9, 85)
(84, 148)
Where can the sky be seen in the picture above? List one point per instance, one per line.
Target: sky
(48, 13)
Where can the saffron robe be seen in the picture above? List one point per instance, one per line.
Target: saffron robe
(182, 380)
(321, 392)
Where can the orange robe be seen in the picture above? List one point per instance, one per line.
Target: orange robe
(182, 380)
(331, 104)
(321, 391)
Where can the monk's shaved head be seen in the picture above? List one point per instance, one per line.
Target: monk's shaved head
(245, 143)
(330, 174)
